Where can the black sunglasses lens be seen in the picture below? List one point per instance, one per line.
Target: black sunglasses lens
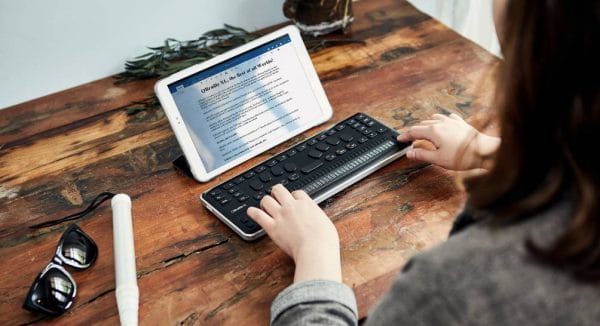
(53, 293)
(77, 249)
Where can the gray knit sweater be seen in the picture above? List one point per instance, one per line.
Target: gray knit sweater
(482, 275)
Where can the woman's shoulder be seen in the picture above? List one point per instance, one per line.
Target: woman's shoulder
(487, 271)
(482, 237)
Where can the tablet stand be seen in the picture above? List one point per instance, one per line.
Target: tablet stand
(182, 166)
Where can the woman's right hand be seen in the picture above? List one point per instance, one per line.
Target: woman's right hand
(302, 230)
(458, 146)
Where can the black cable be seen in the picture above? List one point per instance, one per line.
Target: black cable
(95, 203)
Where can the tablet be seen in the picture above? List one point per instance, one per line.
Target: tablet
(239, 104)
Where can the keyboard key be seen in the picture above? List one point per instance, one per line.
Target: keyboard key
(284, 182)
(292, 153)
(350, 122)
(362, 139)
(322, 147)
(228, 186)
(272, 163)
(215, 192)
(332, 141)
(265, 177)
(356, 125)
(311, 166)
(367, 131)
(381, 130)
(238, 180)
(243, 198)
(346, 138)
(224, 201)
(312, 142)
(233, 190)
(260, 169)
(259, 195)
(370, 123)
(249, 174)
(300, 148)
(256, 185)
(362, 128)
(237, 194)
(360, 116)
(282, 157)
(330, 157)
(289, 167)
(330, 132)
(293, 176)
(340, 127)
(315, 154)
(277, 171)
(373, 134)
(350, 145)
(322, 136)
(340, 151)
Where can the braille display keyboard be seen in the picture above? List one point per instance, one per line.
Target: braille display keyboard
(322, 166)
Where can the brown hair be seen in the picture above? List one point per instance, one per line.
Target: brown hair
(549, 114)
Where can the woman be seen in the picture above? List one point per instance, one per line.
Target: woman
(526, 248)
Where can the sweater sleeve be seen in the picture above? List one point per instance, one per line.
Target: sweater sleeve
(317, 302)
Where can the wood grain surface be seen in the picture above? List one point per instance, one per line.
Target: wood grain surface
(58, 152)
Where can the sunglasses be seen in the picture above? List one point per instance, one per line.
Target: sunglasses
(54, 289)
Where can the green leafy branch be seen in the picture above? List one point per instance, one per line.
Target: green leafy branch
(176, 55)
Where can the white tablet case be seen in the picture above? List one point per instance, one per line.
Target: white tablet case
(312, 87)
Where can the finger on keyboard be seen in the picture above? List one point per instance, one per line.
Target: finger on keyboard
(281, 194)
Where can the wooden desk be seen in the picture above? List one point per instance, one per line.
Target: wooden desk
(60, 151)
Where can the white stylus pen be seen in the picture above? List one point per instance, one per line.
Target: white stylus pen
(126, 289)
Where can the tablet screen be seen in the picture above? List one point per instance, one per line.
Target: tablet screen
(246, 102)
